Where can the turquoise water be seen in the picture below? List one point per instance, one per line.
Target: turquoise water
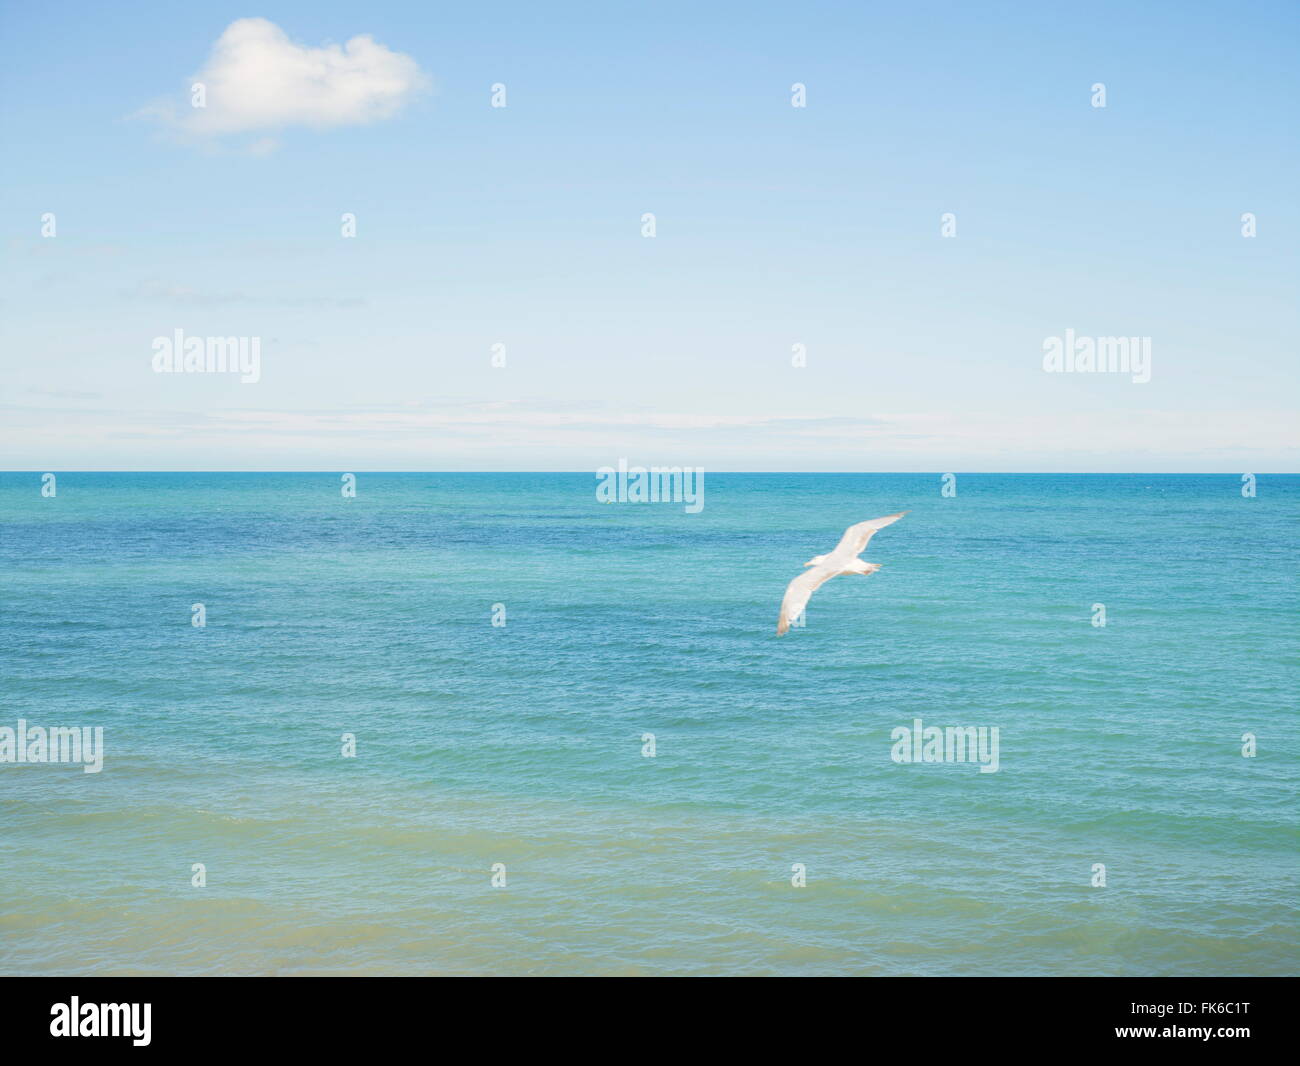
(522, 744)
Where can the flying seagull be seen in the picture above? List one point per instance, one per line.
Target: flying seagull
(843, 560)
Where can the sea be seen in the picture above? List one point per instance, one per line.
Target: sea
(486, 723)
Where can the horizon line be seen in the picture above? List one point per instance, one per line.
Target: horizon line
(820, 473)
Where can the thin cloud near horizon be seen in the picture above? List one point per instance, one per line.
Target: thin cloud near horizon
(494, 434)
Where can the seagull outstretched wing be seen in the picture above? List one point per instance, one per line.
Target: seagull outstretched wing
(799, 592)
(854, 541)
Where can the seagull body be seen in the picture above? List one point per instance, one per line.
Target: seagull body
(843, 560)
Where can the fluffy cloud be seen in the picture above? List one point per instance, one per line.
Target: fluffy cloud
(258, 80)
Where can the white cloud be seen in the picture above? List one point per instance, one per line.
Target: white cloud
(257, 79)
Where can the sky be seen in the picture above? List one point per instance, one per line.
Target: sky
(774, 226)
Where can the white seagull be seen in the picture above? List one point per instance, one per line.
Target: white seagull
(843, 560)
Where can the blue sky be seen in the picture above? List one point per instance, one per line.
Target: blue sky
(775, 226)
